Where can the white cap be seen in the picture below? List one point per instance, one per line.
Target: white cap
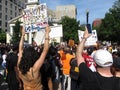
(103, 58)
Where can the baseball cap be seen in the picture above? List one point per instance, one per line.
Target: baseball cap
(116, 62)
(103, 58)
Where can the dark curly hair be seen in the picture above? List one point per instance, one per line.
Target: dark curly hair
(29, 57)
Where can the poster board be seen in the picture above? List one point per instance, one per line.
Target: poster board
(35, 18)
(71, 42)
(39, 37)
(56, 31)
(91, 40)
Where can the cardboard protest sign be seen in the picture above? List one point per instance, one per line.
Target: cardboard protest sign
(91, 40)
(56, 31)
(71, 42)
(35, 18)
(39, 37)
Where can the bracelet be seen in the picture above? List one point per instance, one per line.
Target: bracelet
(47, 39)
(84, 38)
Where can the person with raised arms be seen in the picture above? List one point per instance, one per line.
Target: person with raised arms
(30, 62)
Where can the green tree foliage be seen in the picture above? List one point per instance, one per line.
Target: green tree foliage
(70, 29)
(82, 27)
(16, 32)
(110, 27)
(2, 36)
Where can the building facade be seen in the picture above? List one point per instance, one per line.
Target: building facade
(10, 9)
(66, 10)
(53, 17)
(97, 22)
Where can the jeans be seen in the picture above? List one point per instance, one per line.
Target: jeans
(66, 82)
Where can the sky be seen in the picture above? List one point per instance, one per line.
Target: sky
(96, 8)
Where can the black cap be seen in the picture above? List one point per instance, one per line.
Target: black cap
(90, 50)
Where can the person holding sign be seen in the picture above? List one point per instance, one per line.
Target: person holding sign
(30, 62)
(102, 79)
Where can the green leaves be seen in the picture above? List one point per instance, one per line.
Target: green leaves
(70, 28)
(110, 27)
(2, 36)
(16, 32)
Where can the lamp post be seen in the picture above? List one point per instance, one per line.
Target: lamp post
(87, 15)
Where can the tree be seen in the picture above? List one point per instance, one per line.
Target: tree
(2, 36)
(110, 27)
(70, 28)
(16, 32)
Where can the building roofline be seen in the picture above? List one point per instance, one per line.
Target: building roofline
(12, 20)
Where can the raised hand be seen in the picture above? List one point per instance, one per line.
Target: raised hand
(86, 33)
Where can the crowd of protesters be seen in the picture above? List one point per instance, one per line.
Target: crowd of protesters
(59, 67)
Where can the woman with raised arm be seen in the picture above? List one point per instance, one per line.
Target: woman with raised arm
(30, 62)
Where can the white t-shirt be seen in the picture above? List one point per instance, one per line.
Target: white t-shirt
(4, 58)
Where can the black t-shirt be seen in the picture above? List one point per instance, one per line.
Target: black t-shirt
(94, 81)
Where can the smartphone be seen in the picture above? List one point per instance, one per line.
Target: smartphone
(89, 28)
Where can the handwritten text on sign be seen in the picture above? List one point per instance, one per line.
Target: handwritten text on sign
(35, 18)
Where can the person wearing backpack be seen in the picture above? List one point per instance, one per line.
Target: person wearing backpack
(102, 79)
(74, 74)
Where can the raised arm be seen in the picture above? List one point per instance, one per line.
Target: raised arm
(21, 46)
(80, 47)
(40, 61)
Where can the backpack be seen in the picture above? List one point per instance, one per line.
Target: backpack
(74, 70)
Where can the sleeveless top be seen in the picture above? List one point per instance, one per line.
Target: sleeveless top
(31, 83)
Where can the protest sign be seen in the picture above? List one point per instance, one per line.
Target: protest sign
(91, 40)
(39, 37)
(71, 42)
(56, 31)
(35, 18)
